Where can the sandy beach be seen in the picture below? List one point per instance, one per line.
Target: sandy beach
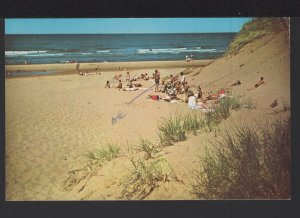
(53, 121)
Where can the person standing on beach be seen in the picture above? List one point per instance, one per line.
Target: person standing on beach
(78, 67)
(127, 77)
(156, 78)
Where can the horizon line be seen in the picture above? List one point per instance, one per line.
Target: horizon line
(111, 33)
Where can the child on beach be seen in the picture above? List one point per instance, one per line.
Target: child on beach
(107, 84)
(120, 85)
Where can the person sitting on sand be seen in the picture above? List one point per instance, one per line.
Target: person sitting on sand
(146, 77)
(260, 82)
(107, 84)
(156, 78)
(199, 96)
(120, 85)
(127, 77)
(192, 101)
(236, 83)
(130, 85)
(178, 88)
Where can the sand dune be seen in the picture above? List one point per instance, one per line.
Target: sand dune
(51, 122)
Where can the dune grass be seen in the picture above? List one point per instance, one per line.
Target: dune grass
(146, 173)
(94, 162)
(252, 30)
(107, 153)
(247, 163)
(175, 128)
(171, 130)
(144, 178)
(151, 150)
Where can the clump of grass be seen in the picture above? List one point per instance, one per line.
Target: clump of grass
(247, 163)
(143, 178)
(221, 111)
(193, 123)
(252, 30)
(107, 153)
(95, 161)
(150, 149)
(171, 130)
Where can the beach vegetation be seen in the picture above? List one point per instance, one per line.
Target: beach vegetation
(171, 130)
(252, 30)
(192, 123)
(151, 150)
(143, 178)
(221, 111)
(95, 160)
(106, 153)
(246, 163)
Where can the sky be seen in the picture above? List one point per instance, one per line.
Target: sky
(123, 25)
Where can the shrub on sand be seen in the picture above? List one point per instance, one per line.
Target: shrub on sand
(143, 178)
(107, 153)
(247, 163)
(149, 148)
(171, 130)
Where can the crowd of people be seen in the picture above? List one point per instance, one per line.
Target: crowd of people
(172, 86)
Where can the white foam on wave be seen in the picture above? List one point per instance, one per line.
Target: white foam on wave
(18, 53)
(103, 51)
(86, 53)
(44, 55)
(174, 50)
(161, 50)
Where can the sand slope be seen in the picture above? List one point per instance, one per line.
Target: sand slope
(51, 122)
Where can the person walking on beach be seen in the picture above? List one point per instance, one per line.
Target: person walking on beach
(156, 78)
(78, 67)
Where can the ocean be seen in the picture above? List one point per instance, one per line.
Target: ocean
(43, 49)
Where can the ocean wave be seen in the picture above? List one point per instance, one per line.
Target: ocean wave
(175, 50)
(44, 55)
(18, 53)
(103, 51)
(86, 53)
(161, 50)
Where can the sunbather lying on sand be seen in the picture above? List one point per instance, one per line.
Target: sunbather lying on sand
(130, 89)
(236, 83)
(260, 82)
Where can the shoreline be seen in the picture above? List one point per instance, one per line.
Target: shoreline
(69, 68)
